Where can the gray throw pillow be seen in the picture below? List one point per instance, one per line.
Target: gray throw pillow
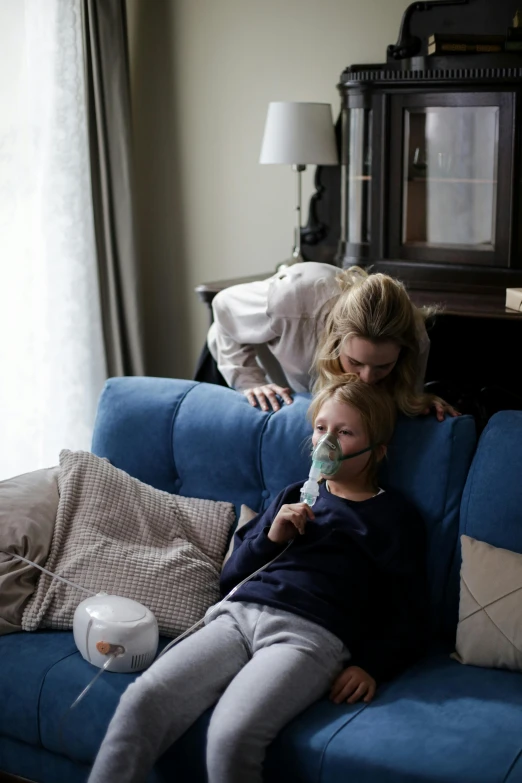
(28, 506)
(116, 534)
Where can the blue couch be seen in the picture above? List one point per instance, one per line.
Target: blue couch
(439, 721)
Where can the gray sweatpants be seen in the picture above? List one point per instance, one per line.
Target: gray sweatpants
(262, 666)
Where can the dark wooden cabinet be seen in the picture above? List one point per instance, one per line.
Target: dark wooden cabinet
(430, 183)
(430, 175)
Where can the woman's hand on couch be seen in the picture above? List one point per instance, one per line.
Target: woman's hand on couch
(262, 395)
(441, 408)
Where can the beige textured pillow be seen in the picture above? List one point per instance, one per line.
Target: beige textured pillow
(28, 506)
(116, 534)
(489, 632)
(245, 515)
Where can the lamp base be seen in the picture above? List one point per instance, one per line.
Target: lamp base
(289, 262)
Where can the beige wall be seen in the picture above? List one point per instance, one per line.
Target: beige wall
(203, 72)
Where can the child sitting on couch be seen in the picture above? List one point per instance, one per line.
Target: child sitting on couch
(338, 611)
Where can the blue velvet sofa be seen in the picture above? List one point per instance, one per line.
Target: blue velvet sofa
(439, 721)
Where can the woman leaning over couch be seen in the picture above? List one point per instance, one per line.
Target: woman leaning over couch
(319, 323)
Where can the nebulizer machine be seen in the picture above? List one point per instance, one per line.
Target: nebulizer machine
(110, 630)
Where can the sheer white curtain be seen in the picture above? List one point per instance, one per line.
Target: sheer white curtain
(52, 364)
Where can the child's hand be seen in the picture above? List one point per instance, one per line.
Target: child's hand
(290, 519)
(351, 685)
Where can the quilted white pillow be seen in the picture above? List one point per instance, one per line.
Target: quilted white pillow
(116, 534)
(489, 632)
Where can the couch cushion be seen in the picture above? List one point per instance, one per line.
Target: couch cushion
(428, 462)
(438, 722)
(26, 660)
(133, 427)
(515, 773)
(491, 509)
(492, 499)
(285, 454)
(77, 734)
(31, 762)
(217, 441)
(42, 674)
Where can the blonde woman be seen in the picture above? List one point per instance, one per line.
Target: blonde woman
(312, 323)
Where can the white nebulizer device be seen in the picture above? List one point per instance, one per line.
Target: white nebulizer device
(109, 630)
(326, 461)
(120, 627)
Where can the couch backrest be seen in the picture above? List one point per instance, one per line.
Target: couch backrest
(491, 507)
(429, 462)
(206, 441)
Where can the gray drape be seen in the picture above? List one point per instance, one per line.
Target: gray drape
(109, 118)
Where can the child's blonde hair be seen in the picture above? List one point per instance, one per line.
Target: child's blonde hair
(375, 405)
(375, 307)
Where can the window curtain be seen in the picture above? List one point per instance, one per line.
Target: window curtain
(109, 122)
(52, 355)
(69, 288)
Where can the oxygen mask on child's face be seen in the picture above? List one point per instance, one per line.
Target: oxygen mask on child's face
(326, 456)
(326, 461)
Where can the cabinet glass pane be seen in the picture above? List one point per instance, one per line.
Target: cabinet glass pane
(356, 176)
(450, 176)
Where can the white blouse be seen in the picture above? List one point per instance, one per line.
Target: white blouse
(284, 313)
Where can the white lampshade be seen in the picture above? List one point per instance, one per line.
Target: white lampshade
(299, 133)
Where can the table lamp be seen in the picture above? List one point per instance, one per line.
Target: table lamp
(298, 134)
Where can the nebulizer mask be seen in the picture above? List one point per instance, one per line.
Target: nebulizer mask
(326, 461)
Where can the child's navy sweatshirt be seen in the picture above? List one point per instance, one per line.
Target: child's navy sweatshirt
(359, 571)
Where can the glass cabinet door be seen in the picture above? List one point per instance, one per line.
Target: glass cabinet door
(358, 174)
(449, 173)
(356, 183)
(450, 176)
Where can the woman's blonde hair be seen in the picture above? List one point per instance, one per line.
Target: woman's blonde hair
(376, 307)
(375, 405)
